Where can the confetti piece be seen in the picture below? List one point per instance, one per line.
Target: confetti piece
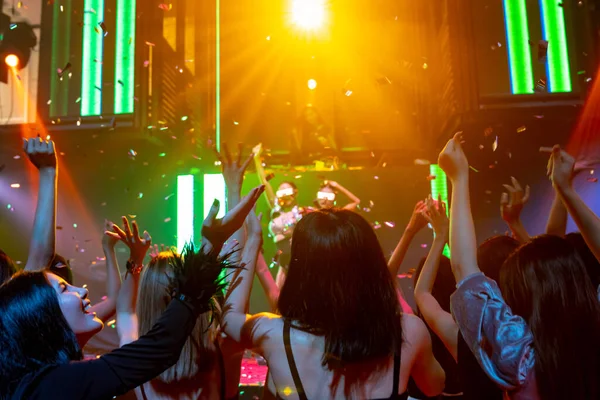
(473, 168)
(495, 144)
(184, 118)
(390, 224)
(488, 131)
(113, 123)
(431, 177)
(165, 7)
(422, 161)
(540, 86)
(78, 100)
(90, 11)
(150, 44)
(132, 153)
(120, 82)
(102, 25)
(61, 71)
(545, 149)
(366, 209)
(167, 219)
(593, 180)
(140, 195)
(132, 215)
(521, 129)
(542, 51)
(376, 177)
(297, 176)
(59, 228)
(74, 225)
(146, 63)
(538, 116)
(15, 185)
(371, 204)
(17, 157)
(376, 225)
(424, 246)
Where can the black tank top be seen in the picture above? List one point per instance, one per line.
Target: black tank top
(298, 382)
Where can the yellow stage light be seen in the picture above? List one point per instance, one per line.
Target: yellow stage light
(309, 14)
(312, 84)
(12, 60)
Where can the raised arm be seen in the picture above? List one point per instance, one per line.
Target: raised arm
(262, 175)
(560, 170)
(416, 223)
(426, 370)
(354, 200)
(238, 295)
(511, 206)
(106, 308)
(463, 246)
(267, 281)
(557, 220)
(42, 154)
(127, 321)
(439, 320)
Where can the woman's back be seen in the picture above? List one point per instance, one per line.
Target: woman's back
(368, 380)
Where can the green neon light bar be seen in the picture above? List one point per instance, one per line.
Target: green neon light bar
(92, 59)
(553, 26)
(439, 187)
(185, 210)
(214, 188)
(61, 49)
(125, 56)
(218, 77)
(517, 40)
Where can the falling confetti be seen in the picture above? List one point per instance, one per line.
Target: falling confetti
(431, 177)
(376, 225)
(495, 144)
(15, 185)
(165, 7)
(521, 129)
(140, 195)
(488, 131)
(542, 51)
(132, 153)
(102, 25)
(132, 215)
(540, 86)
(61, 71)
(168, 219)
(424, 246)
(421, 161)
(390, 224)
(593, 180)
(473, 168)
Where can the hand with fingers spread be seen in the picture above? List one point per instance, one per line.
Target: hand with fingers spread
(560, 168)
(40, 152)
(254, 226)
(417, 219)
(453, 160)
(216, 231)
(512, 203)
(138, 246)
(435, 214)
(233, 169)
(155, 250)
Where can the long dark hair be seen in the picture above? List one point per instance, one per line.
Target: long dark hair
(589, 260)
(546, 283)
(338, 286)
(7, 267)
(492, 253)
(33, 331)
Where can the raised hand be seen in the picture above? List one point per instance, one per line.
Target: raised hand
(453, 160)
(40, 152)
(233, 170)
(138, 246)
(560, 168)
(155, 250)
(254, 227)
(217, 231)
(512, 203)
(435, 214)
(257, 150)
(417, 219)
(108, 241)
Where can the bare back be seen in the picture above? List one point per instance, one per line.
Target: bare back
(318, 381)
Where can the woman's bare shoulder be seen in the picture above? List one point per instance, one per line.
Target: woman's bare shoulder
(414, 329)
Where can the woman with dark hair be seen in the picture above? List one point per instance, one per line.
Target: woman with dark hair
(7, 267)
(44, 323)
(591, 263)
(341, 333)
(326, 196)
(538, 339)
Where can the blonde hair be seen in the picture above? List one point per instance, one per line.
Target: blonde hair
(153, 299)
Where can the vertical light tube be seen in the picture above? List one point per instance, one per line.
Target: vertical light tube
(218, 77)
(439, 187)
(92, 58)
(125, 56)
(517, 42)
(553, 28)
(214, 188)
(185, 210)
(61, 48)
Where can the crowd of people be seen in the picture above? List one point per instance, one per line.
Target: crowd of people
(516, 317)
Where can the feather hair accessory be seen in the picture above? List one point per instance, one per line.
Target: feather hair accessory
(198, 276)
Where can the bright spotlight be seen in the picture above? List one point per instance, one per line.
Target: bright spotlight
(312, 84)
(12, 60)
(309, 14)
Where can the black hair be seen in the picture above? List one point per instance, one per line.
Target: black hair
(7, 267)
(64, 270)
(33, 331)
(546, 283)
(589, 260)
(338, 286)
(492, 253)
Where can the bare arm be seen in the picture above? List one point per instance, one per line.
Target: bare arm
(557, 221)
(463, 246)
(511, 206)
(426, 370)
(43, 238)
(262, 175)
(416, 223)
(267, 282)
(127, 322)
(106, 309)
(354, 200)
